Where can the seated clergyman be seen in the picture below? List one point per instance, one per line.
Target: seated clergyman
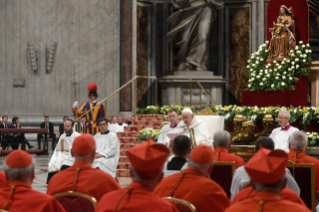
(194, 128)
(107, 149)
(181, 151)
(280, 134)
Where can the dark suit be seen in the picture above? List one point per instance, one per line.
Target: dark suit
(19, 136)
(51, 134)
(7, 138)
(176, 163)
(61, 128)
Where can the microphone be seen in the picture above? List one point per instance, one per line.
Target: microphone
(170, 130)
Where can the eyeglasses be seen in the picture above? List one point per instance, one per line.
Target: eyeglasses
(102, 124)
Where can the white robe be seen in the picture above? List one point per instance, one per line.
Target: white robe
(162, 138)
(241, 180)
(201, 134)
(280, 137)
(59, 158)
(108, 145)
(115, 128)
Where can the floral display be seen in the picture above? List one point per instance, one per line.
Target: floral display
(313, 139)
(163, 110)
(144, 133)
(273, 76)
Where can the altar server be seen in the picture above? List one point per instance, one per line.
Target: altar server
(194, 128)
(267, 172)
(107, 149)
(81, 177)
(193, 184)
(147, 161)
(62, 159)
(118, 126)
(298, 142)
(169, 128)
(19, 195)
(241, 179)
(280, 134)
(91, 126)
(222, 144)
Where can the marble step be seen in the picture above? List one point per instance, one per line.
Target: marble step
(123, 173)
(123, 166)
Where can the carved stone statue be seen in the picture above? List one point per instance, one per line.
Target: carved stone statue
(191, 26)
(283, 35)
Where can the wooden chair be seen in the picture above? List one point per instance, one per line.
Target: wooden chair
(181, 205)
(76, 202)
(4, 210)
(222, 174)
(304, 174)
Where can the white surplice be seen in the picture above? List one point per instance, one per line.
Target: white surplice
(280, 137)
(108, 145)
(115, 128)
(59, 158)
(241, 179)
(163, 138)
(201, 134)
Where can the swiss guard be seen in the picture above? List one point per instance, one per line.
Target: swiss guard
(91, 125)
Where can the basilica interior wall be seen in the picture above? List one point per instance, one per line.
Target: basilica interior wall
(87, 33)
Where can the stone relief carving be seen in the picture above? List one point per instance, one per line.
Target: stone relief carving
(197, 97)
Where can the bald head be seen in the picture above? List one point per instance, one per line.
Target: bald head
(221, 139)
(298, 140)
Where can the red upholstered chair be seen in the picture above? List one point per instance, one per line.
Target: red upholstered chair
(304, 174)
(181, 205)
(222, 174)
(76, 202)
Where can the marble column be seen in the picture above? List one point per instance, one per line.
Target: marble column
(313, 78)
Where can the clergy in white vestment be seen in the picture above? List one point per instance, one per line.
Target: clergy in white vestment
(194, 128)
(169, 128)
(241, 179)
(119, 126)
(280, 134)
(60, 159)
(107, 149)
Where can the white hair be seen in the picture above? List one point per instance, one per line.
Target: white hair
(18, 174)
(196, 165)
(298, 140)
(187, 110)
(221, 138)
(287, 114)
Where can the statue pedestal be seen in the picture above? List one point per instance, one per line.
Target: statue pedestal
(176, 89)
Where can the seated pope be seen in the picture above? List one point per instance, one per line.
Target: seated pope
(280, 134)
(194, 128)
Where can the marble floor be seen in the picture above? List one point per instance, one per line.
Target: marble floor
(41, 172)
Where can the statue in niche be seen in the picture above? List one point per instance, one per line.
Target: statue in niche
(191, 28)
(283, 35)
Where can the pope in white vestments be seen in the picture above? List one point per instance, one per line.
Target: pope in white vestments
(63, 157)
(169, 128)
(194, 128)
(280, 134)
(107, 150)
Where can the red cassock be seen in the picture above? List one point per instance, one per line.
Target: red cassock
(3, 180)
(24, 198)
(301, 157)
(203, 193)
(137, 200)
(286, 194)
(90, 181)
(266, 202)
(223, 155)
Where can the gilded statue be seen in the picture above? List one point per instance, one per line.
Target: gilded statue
(191, 26)
(283, 35)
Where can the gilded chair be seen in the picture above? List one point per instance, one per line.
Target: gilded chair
(76, 202)
(304, 174)
(181, 205)
(222, 174)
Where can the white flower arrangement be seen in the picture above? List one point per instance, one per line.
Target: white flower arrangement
(301, 42)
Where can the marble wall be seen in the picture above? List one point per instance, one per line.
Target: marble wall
(88, 51)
